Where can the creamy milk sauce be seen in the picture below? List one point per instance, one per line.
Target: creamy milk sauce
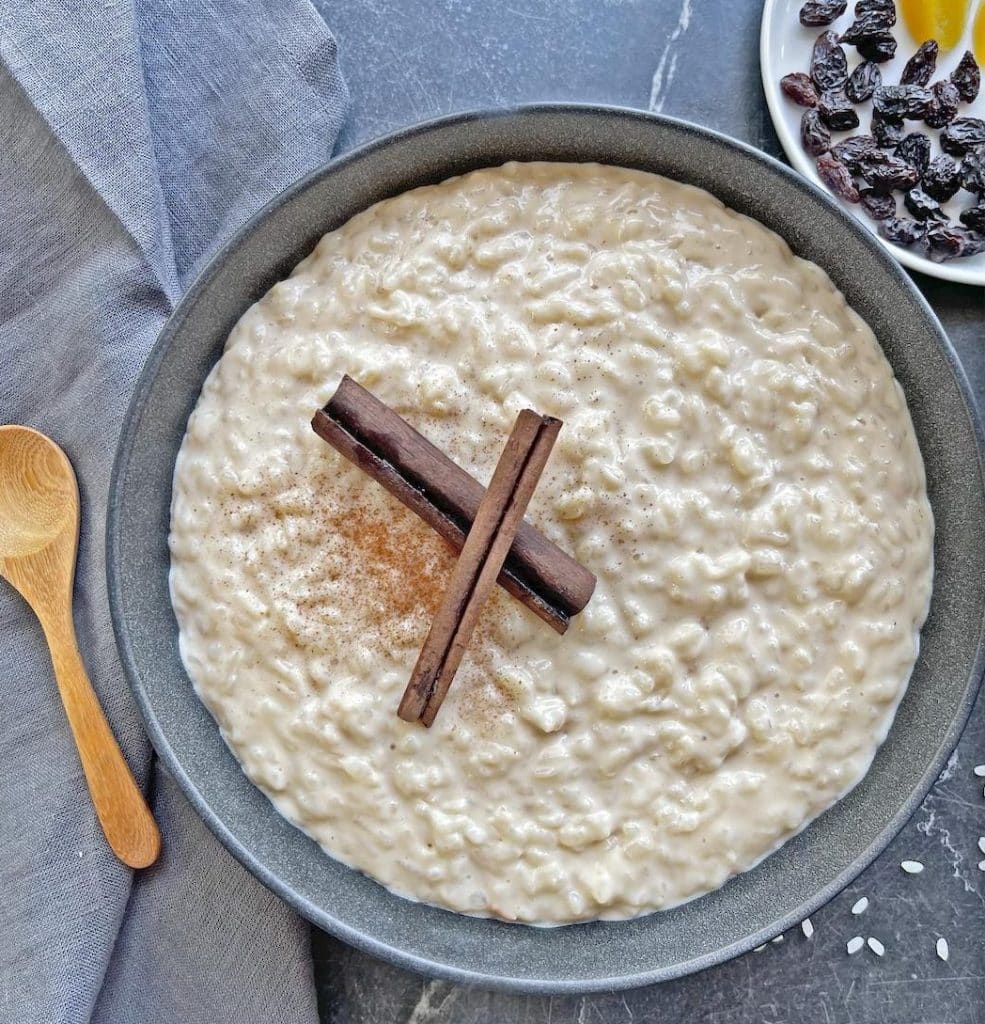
(737, 466)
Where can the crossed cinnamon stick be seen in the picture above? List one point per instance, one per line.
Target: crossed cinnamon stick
(485, 525)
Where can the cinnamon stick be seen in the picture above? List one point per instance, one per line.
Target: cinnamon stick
(371, 435)
(495, 526)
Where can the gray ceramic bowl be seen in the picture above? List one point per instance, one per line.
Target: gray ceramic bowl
(805, 872)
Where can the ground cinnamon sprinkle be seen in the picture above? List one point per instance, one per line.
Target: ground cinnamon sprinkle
(399, 561)
(385, 572)
(397, 569)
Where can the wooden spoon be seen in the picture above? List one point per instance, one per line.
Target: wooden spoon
(39, 536)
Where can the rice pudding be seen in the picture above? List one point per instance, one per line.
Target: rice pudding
(737, 466)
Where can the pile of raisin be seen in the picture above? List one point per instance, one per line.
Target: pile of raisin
(893, 157)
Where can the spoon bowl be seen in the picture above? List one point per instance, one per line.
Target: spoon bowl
(39, 535)
(38, 491)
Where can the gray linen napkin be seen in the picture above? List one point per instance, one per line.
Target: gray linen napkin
(135, 135)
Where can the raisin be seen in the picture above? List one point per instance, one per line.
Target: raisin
(963, 134)
(973, 171)
(949, 242)
(836, 112)
(829, 65)
(822, 12)
(922, 206)
(915, 150)
(877, 205)
(799, 88)
(814, 134)
(921, 66)
(902, 230)
(941, 179)
(943, 107)
(902, 101)
(866, 26)
(863, 82)
(886, 7)
(974, 218)
(850, 151)
(885, 173)
(887, 132)
(967, 78)
(877, 48)
(837, 177)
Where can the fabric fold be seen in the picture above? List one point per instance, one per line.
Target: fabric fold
(95, 105)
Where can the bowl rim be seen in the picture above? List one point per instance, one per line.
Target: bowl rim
(305, 907)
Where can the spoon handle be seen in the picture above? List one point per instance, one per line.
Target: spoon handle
(127, 822)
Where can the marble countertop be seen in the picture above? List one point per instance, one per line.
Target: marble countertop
(407, 60)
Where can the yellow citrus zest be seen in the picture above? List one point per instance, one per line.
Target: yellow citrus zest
(943, 20)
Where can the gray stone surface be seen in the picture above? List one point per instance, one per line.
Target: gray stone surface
(406, 60)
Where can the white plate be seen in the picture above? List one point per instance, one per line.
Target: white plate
(785, 45)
